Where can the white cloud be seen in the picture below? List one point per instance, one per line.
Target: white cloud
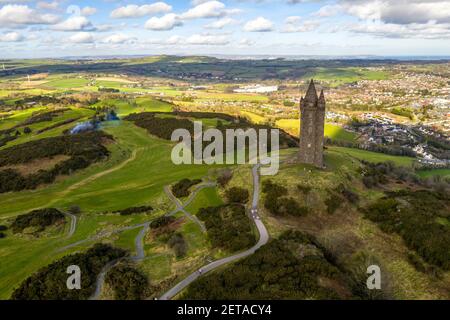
(424, 19)
(135, 11)
(221, 23)
(118, 38)
(47, 5)
(328, 11)
(167, 22)
(193, 40)
(209, 39)
(11, 37)
(294, 24)
(75, 23)
(246, 42)
(209, 9)
(82, 37)
(16, 15)
(260, 24)
(293, 19)
(88, 11)
(197, 2)
(399, 11)
(398, 31)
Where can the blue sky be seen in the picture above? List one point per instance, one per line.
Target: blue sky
(55, 28)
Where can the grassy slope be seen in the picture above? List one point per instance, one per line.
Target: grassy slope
(82, 114)
(346, 232)
(436, 172)
(139, 182)
(374, 156)
(205, 198)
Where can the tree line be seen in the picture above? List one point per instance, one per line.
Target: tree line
(83, 149)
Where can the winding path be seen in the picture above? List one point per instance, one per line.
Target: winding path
(263, 239)
(101, 174)
(73, 223)
(181, 207)
(139, 240)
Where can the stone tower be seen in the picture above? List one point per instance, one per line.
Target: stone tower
(312, 124)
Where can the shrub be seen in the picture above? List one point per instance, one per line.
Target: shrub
(74, 209)
(275, 270)
(278, 205)
(181, 188)
(305, 189)
(333, 202)
(83, 149)
(161, 222)
(237, 195)
(224, 177)
(416, 222)
(228, 227)
(49, 283)
(178, 244)
(40, 218)
(127, 282)
(134, 210)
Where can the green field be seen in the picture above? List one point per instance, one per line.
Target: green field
(339, 76)
(135, 174)
(69, 83)
(374, 156)
(73, 113)
(435, 172)
(205, 198)
(253, 117)
(332, 131)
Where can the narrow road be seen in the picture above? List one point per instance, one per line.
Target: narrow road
(263, 239)
(180, 207)
(140, 255)
(94, 177)
(139, 240)
(73, 223)
(101, 174)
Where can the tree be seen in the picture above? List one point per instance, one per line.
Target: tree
(74, 209)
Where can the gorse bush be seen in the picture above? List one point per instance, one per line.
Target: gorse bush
(83, 150)
(278, 203)
(277, 270)
(415, 217)
(161, 222)
(228, 227)
(134, 210)
(160, 127)
(127, 282)
(40, 218)
(49, 283)
(178, 244)
(181, 188)
(237, 195)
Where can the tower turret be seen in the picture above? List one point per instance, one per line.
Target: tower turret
(312, 124)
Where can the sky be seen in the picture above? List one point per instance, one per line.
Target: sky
(61, 28)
